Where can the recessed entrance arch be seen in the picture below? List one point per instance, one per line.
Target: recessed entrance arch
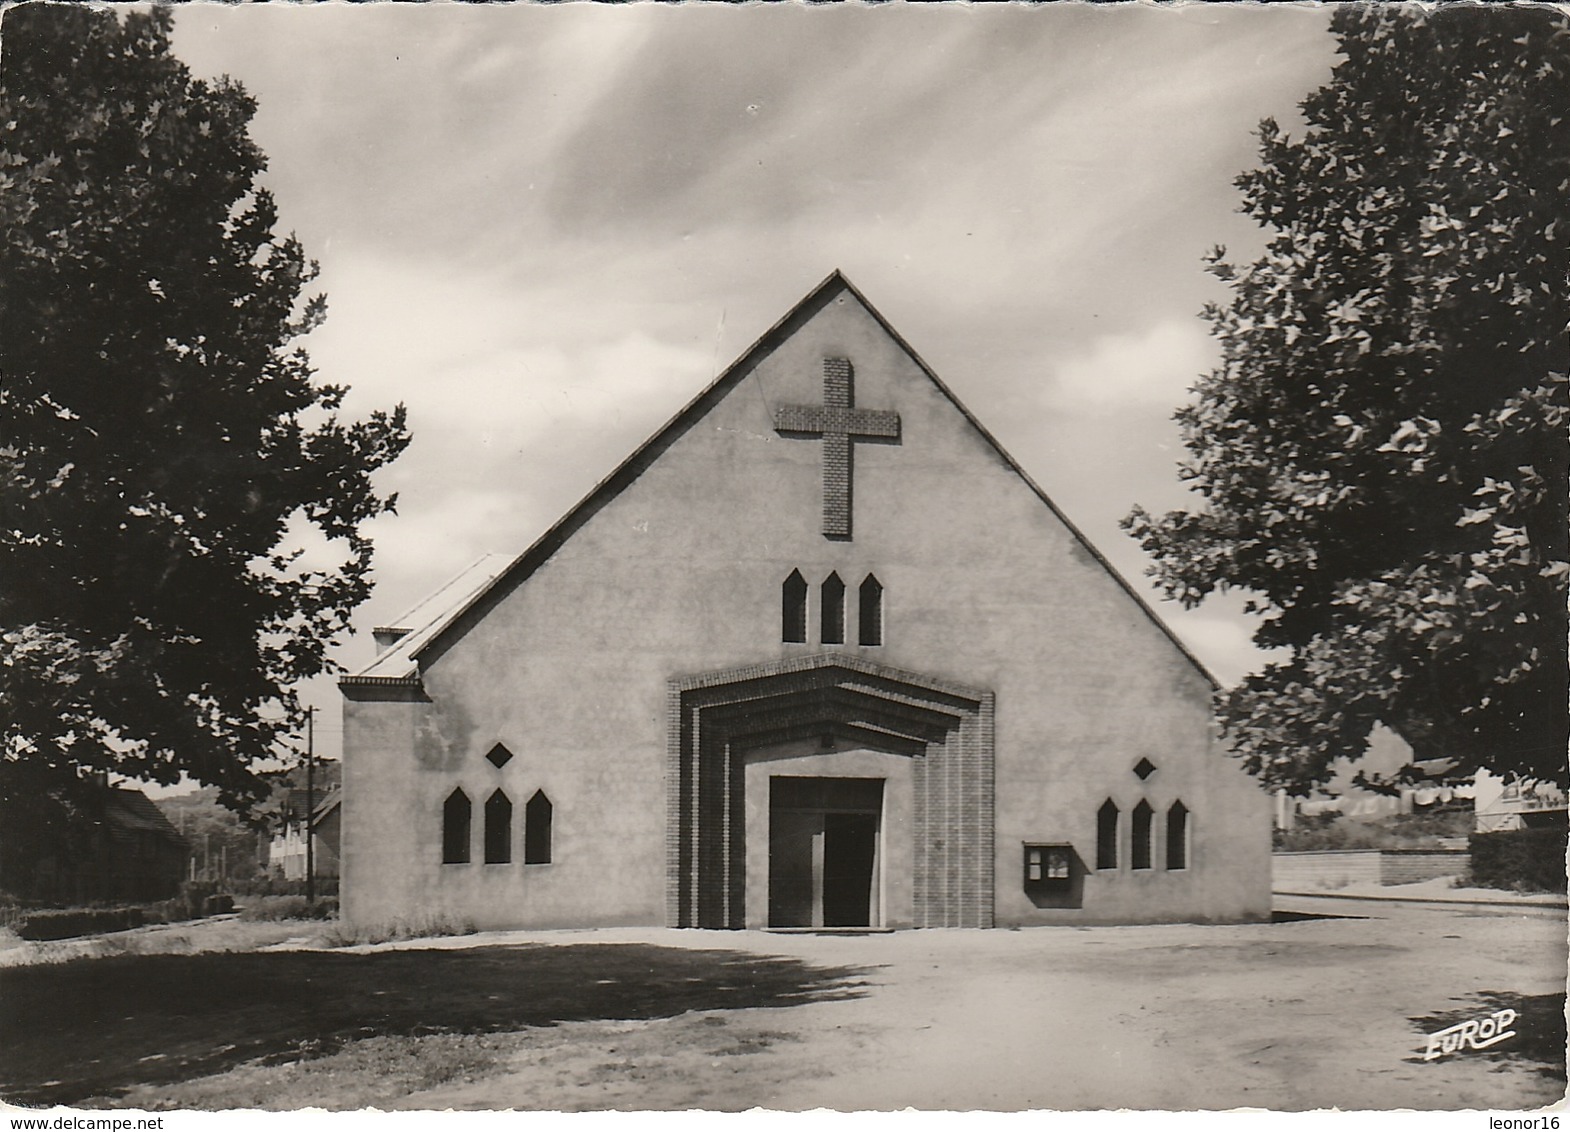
(941, 735)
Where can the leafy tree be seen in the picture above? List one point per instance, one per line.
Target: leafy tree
(1381, 454)
(162, 445)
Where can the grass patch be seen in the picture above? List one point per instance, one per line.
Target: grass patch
(175, 939)
(429, 926)
(288, 908)
(364, 1073)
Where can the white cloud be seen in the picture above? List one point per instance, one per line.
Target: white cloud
(544, 227)
(520, 398)
(1152, 367)
(1220, 634)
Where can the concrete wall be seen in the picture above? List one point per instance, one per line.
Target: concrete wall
(1408, 866)
(680, 574)
(1337, 868)
(1295, 872)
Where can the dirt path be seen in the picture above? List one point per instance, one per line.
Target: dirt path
(1305, 1014)
(1302, 1015)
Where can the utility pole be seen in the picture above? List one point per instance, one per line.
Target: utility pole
(310, 805)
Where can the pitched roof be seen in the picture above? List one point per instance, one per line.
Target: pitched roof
(428, 618)
(402, 661)
(133, 810)
(328, 803)
(325, 797)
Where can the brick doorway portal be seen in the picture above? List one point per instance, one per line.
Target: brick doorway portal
(945, 730)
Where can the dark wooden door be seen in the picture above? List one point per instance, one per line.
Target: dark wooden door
(850, 850)
(823, 851)
(795, 839)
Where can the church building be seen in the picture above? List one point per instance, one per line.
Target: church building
(819, 654)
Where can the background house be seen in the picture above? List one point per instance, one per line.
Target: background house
(1516, 805)
(123, 850)
(287, 851)
(1387, 754)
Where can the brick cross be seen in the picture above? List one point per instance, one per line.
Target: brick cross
(839, 423)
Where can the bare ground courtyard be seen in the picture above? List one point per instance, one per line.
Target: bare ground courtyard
(1326, 1007)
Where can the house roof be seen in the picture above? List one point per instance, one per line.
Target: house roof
(428, 618)
(330, 802)
(134, 811)
(469, 597)
(326, 797)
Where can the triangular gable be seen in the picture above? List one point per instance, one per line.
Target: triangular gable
(436, 638)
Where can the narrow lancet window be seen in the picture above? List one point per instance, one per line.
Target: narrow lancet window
(455, 829)
(869, 611)
(1177, 836)
(793, 599)
(1139, 851)
(1107, 835)
(498, 829)
(537, 830)
(833, 611)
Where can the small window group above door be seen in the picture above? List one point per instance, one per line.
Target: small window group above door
(832, 611)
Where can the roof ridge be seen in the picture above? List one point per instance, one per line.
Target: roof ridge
(521, 567)
(609, 486)
(404, 648)
(403, 620)
(1015, 466)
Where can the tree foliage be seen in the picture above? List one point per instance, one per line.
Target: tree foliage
(162, 440)
(1381, 455)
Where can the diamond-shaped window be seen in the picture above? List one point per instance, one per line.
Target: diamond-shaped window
(499, 756)
(1144, 768)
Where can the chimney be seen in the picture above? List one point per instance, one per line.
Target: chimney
(387, 636)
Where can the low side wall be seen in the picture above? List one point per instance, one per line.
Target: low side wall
(1408, 866)
(1337, 868)
(1323, 868)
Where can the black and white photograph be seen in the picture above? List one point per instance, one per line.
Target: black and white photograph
(840, 558)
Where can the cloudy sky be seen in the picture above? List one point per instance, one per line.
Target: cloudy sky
(543, 229)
